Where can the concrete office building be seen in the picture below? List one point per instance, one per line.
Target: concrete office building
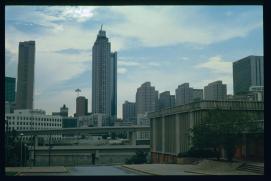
(69, 122)
(104, 78)
(215, 91)
(10, 89)
(25, 76)
(186, 94)
(81, 106)
(146, 99)
(166, 100)
(129, 112)
(170, 133)
(33, 120)
(172, 101)
(93, 120)
(64, 112)
(197, 94)
(247, 72)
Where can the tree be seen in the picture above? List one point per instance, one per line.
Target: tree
(139, 158)
(220, 128)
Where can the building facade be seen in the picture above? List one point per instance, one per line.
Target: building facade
(129, 112)
(25, 76)
(215, 91)
(247, 72)
(81, 106)
(166, 100)
(33, 120)
(10, 89)
(146, 99)
(170, 128)
(186, 94)
(93, 120)
(69, 122)
(197, 95)
(104, 78)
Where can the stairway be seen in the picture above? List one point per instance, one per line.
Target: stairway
(251, 167)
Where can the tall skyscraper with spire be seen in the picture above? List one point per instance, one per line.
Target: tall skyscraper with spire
(104, 78)
(25, 76)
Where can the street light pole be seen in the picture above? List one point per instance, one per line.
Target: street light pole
(21, 148)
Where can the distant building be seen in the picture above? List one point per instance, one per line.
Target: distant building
(197, 95)
(104, 78)
(129, 112)
(146, 99)
(69, 122)
(25, 79)
(186, 94)
(215, 91)
(81, 106)
(64, 112)
(34, 119)
(166, 100)
(247, 72)
(143, 137)
(10, 89)
(172, 101)
(93, 120)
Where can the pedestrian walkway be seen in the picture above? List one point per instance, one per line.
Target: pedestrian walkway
(57, 169)
(205, 168)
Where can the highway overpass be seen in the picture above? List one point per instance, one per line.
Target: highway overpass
(86, 130)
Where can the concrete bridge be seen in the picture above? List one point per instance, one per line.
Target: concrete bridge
(86, 130)
(73, 155)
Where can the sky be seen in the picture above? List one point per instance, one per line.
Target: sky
(166, 45)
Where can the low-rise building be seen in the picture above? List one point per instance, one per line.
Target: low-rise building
(33, 119)
(170, 128)
(93, 120)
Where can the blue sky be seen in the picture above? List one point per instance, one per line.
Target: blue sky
(167, 45)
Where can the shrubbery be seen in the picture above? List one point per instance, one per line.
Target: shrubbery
(199, 153)
(139, 158)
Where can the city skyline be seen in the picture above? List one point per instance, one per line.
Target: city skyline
(167, 57)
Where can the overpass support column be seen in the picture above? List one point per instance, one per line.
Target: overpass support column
(177, 134)
(153, 132)
(163, 135)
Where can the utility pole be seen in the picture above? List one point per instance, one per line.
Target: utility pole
(49, 150)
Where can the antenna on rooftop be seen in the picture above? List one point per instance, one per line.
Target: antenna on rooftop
(77, 90)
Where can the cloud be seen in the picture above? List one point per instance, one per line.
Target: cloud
(73, 51)
(127, 63)
(122, 70)
(178, 25)
(217, 65)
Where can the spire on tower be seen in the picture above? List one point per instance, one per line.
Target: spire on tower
(101, 27)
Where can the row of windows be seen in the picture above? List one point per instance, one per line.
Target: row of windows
(36, 124)
(24, 128)
(33, 118)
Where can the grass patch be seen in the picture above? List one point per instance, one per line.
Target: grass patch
(11, 173)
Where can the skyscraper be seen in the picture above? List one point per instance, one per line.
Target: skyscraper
(104, 78)
(197, 94)
(184, 94)
(146, 99)
(81, 106)
(25, 76)
(10, 89)
(129, 112)
(166, 100)
(215, 91)
(247, 72)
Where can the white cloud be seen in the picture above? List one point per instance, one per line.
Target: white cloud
(122, 70)
(157, 26)
(217, 65)
(127, 63)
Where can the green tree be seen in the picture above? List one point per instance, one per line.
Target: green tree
(220, 128)
(139, 158)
